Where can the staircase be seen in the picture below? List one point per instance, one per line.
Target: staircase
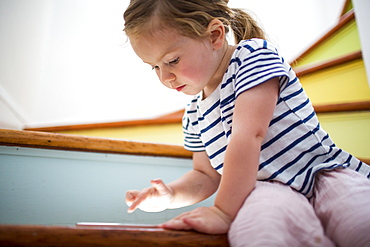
(333, 75)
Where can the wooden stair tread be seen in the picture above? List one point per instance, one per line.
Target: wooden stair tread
(35, 235)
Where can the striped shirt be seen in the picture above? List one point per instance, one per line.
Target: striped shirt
(295, 147)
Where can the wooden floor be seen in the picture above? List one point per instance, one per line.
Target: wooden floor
(30, 235)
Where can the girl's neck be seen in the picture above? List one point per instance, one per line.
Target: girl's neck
(220, 71)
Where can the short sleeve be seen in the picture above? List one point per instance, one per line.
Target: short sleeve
(192, 141)
(258, 63)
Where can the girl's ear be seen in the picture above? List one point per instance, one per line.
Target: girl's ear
(216, 30)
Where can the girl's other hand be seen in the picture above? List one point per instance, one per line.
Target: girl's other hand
(153, 199)
(210, 220)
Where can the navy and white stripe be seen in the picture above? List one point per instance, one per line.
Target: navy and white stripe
(295, 147)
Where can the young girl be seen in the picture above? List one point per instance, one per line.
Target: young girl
(256, 139)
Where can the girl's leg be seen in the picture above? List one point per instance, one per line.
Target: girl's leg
(342, 202)
(275, 215)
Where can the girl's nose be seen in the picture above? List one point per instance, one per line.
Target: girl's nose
(167, 78)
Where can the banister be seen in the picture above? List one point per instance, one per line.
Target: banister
(172, 118)
(340, 107)
(343, 107)
(55, 141)
(119, 124)
(308, 69)
(345, 7)
(88, 144)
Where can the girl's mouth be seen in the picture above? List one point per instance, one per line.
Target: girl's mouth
(180, 88)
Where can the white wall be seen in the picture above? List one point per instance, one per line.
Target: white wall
(67, 62)
(11, 115)
(294, 25)
(39, 186)
(362, 8)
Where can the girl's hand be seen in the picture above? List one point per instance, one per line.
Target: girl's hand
(210, 220)
(153, 199)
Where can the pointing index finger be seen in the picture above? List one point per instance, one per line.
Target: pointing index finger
(138, 200)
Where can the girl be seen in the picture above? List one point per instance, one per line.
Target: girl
(281, 181)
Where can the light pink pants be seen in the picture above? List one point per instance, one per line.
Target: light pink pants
(276, 215)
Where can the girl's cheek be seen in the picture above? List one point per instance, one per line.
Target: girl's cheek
(190, 72)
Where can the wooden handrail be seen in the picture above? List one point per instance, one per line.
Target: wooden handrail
(345, 7)
(367, 161)
(30, 235)
(343, 107)
(354, 106)
(120, 124)
(174, 117)
(35, 139)
(305, 70)
(88, 144)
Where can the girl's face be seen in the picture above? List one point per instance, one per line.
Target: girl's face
(181, 63)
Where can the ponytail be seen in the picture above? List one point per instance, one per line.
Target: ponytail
(244, 26)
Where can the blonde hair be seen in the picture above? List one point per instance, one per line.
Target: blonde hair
(189, 17)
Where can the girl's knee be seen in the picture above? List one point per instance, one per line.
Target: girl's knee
(356, 236)
(342, 199)
(272, 230)
(276, 215)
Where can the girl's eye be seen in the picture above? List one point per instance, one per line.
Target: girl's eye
(175, 61)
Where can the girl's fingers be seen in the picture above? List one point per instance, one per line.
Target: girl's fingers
(160, 186)
(194, 223)
(130, 196)
(156, 196)
(204, 220)
(140, 197)
(176, 224)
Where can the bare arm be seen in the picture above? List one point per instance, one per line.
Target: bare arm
(252, 115)
(194, 186)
